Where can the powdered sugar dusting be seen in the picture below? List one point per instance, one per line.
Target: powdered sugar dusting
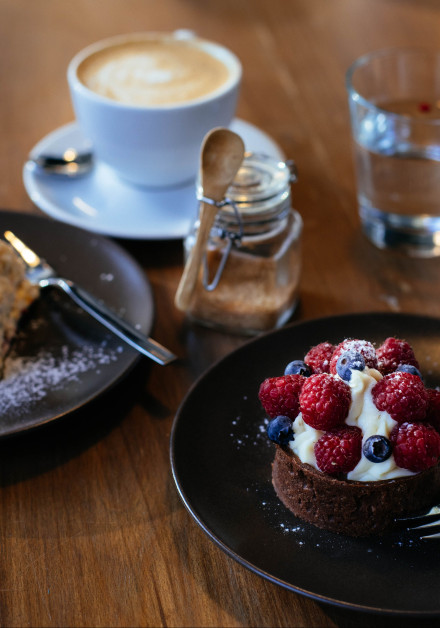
(241, 437)
(364, 347)
(28, 380)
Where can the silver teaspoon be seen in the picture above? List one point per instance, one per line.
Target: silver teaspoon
(70, 164)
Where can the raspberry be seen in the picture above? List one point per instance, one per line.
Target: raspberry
(339, 450)
(394, 352)
(402, 395)
(324, 401)
(365, 348)
(433, 411)
(416, 446)
(280, 395)
(318, 358)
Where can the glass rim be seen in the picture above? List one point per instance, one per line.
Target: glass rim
(363, 60)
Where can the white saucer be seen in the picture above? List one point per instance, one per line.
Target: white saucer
(103, 203)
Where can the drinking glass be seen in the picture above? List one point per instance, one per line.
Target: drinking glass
(394, 100)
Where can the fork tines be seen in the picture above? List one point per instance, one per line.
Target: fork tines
(429, 521)
(432, 528)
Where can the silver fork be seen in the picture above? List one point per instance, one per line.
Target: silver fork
(426, 521)
(39, 272)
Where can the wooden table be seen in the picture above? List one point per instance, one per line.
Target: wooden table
(92, 530)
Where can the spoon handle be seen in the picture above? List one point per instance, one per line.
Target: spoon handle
(81, 164)
(221, 156)
(53, 160)
(192, 266)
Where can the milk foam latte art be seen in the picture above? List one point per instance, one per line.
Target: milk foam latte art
(153, 72)
(146, 101)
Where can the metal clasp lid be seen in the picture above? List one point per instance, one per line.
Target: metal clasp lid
(293, 170)
(233, 239)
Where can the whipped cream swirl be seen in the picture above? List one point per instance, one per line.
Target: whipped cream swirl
(363, 414)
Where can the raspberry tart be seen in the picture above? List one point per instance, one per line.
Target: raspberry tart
(357, 436)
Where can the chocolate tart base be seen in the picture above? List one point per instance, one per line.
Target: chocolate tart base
(347, 507)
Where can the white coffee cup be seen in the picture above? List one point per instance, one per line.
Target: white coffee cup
(149, 138)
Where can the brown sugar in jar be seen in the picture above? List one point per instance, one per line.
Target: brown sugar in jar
(249, 280)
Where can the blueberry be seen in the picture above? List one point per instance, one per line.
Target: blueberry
(298, 367)
(280, 430)
(349, 361)
(409, 368)
(377, 448)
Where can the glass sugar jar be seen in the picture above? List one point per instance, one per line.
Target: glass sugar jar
(248, 280)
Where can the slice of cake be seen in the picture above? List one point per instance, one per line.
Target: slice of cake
(357, 436)
(16, 294)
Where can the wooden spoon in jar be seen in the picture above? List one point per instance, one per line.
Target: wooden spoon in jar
(221, 157)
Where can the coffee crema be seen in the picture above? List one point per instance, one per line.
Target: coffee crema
(153, 72)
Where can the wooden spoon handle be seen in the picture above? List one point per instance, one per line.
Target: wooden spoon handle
(221, 156)
(192, 266)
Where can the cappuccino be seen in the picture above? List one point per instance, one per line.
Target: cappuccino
(153, 72)
(145, 101)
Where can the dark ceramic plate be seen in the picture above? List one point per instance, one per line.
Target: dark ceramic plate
(221, 462)
(62, 357)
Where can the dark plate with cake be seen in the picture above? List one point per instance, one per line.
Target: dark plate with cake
(61, 358)
(222, 464)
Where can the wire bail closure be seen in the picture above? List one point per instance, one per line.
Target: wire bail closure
(233, 239)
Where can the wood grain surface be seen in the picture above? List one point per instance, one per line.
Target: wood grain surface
(92, 530)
